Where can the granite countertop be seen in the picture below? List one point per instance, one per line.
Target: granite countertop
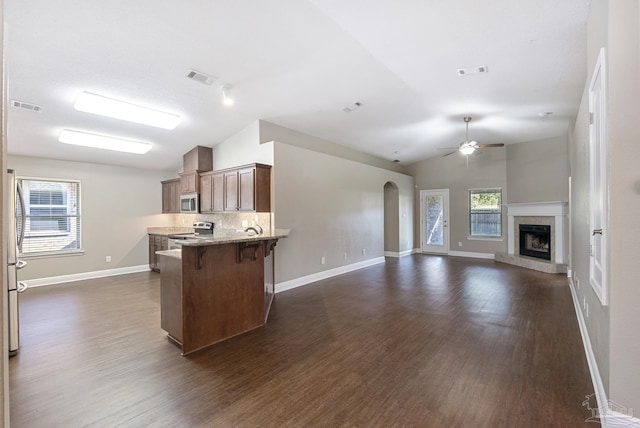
(176, 254)
(225, 237)
(169, 230)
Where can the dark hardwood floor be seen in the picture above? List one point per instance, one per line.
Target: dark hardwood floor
(423, 341)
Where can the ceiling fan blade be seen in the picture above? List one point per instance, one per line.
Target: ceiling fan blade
(447, 148)
(450, 153)
(484, 146)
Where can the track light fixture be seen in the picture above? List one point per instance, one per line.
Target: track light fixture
(226, 95)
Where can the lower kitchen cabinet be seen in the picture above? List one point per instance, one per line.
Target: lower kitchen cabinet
(156, 243)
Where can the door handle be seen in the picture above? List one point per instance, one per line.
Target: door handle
(20, 264)
(596, 232)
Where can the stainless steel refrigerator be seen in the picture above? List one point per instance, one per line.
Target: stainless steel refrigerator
(15, 234)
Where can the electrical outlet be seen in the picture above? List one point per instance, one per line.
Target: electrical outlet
(587, 310)
(245, 224)
(322, 260)
(459, 244)
(108, 259)
(364, 252)
(577, 282)
(345, 256)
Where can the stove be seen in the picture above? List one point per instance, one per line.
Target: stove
(201, 229)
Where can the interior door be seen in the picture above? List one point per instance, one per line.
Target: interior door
(598, 210)
(434, 221)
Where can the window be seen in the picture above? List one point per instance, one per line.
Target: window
(485, 213)
(51, 217)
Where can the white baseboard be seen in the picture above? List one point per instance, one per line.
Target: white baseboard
(472, 254)
(304, 280)
(607, 417)
(39, 282)
(400, 254)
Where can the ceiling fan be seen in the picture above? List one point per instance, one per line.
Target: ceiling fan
(467, 147)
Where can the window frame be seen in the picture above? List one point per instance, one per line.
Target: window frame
(470, 234)
(70, 230)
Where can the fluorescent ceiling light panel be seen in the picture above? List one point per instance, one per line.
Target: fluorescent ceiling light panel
(85, 139)
(104, 106)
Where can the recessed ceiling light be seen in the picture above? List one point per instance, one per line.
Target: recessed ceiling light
(105, 106)
(78, 138)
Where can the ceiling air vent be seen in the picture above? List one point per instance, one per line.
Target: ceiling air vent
(201, 77)
(472, 70)
(26, 106)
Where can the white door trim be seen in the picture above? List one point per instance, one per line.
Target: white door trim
(598, 181)
(444, 249)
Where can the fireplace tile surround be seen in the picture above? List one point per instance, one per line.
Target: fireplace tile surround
(553, 214)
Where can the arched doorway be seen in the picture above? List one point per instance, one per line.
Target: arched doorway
(391, 219)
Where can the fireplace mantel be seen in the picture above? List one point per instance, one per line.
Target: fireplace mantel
(556, 209)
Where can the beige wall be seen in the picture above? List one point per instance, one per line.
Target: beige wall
(614, 338)
(538, 171)
(333, 207)
(485, 171)
(624, 138)
(331, 204)
(272, 132)
(243, 148)
(118, 204)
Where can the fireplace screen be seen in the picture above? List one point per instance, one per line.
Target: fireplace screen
(535, 241)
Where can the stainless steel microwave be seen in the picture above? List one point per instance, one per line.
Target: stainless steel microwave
(190, 203)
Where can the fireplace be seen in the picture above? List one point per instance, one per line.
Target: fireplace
(547, 257)
(535, 241)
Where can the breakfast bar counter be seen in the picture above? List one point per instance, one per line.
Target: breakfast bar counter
(216, 287)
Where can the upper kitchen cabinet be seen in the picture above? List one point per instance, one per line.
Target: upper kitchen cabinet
(199, 159)
(171, 196)
(253, 188)
(189, 182)
(246, 188)
(195, 161)
(212, 192)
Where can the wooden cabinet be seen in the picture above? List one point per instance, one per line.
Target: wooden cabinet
(171, 196)
(211, 192)
(246, 188)
(231, 191)
(189, 182)
(198, 159)
(156, 243)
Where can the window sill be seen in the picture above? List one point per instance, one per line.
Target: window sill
(52, 255)
(485, 238)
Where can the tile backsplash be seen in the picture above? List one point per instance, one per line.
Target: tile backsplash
(223, 220)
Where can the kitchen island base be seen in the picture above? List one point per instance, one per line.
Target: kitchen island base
(210, 293)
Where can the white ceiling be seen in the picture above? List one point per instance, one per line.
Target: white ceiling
(296, 63)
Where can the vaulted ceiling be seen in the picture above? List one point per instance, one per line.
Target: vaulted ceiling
(296, 63)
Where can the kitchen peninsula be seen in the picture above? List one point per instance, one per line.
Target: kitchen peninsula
(216, 287)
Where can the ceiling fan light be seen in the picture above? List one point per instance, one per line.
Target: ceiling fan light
(467, 149)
